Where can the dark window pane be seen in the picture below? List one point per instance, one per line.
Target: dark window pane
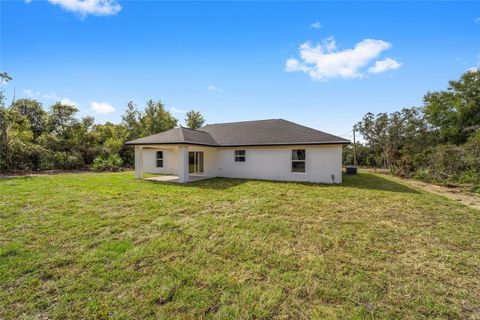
(159, 154)
(298, 166)
(298, 154)
(191, 162)
(239, 152)
(200, 161)
(240, 155)
(159, 163)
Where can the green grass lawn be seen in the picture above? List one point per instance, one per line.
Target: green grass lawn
(108, 246)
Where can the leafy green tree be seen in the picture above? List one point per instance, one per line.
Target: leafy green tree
(131, 121)
(156, 119)
(20, 141)
(111, 137)
(455, 113)
(136, 124)
(21, 150)
(438, 142)
(394, 137)
(364, 155)
(374, 130)
(4, 124)
(61, 118)
(33, 111)
(194, 119)
(83, 140)
(4, 78)
(31, 138)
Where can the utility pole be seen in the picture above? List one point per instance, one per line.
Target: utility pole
(13, 100)
(354, 148)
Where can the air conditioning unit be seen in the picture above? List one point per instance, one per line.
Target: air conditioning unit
(351, 170)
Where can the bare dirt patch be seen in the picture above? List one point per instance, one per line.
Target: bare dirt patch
(459, 194)
(455, 193)
(35, 173)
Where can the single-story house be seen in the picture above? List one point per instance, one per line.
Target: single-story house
(273, 149)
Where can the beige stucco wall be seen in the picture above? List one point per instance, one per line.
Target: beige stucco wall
(274, 163)
(170, 161)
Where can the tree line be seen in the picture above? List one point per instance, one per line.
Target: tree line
(32, 138)
(437, 142)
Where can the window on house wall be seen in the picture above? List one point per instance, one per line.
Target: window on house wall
(240, 156)
(159, 159)
(298, 160)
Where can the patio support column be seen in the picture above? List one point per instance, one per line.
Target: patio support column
(138, 162)
(183, 164)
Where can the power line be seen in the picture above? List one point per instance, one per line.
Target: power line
(346, 133)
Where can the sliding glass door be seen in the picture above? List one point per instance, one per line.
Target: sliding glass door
(195, 162)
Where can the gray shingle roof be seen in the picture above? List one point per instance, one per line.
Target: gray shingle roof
(247, 133)
(177, 136)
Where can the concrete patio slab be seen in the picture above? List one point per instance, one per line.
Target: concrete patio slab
(173, 178)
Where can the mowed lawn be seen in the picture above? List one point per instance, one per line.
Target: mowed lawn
(104, 245)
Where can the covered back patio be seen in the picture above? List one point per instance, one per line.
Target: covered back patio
(179, 163)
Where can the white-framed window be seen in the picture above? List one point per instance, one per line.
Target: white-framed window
(159, 159)
(240, 156)
(298, 160)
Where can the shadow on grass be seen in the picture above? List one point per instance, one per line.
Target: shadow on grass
(360, 181)
(375, 182)
(366, 181)
(213, 183)
(13, 178)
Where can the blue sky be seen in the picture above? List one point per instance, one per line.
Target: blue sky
(321, 64)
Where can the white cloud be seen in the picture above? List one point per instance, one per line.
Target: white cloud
(102, 107)
(325, 61)
(89, 7)
(477, 67)
(295, 65)
(214, 89)
(176, 110)
(69, 102)
(28, 1)
(384, 65)
(316, 25)
(477, 20)
(31, 94)
(51, 96)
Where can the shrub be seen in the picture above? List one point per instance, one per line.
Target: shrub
(422, 174)
(115, 161)
(64, 160)
(46, 161)
(450, 163)
(99, 164)
(112, 163)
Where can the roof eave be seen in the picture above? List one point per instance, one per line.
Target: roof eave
(285, 144)
(132, 143)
